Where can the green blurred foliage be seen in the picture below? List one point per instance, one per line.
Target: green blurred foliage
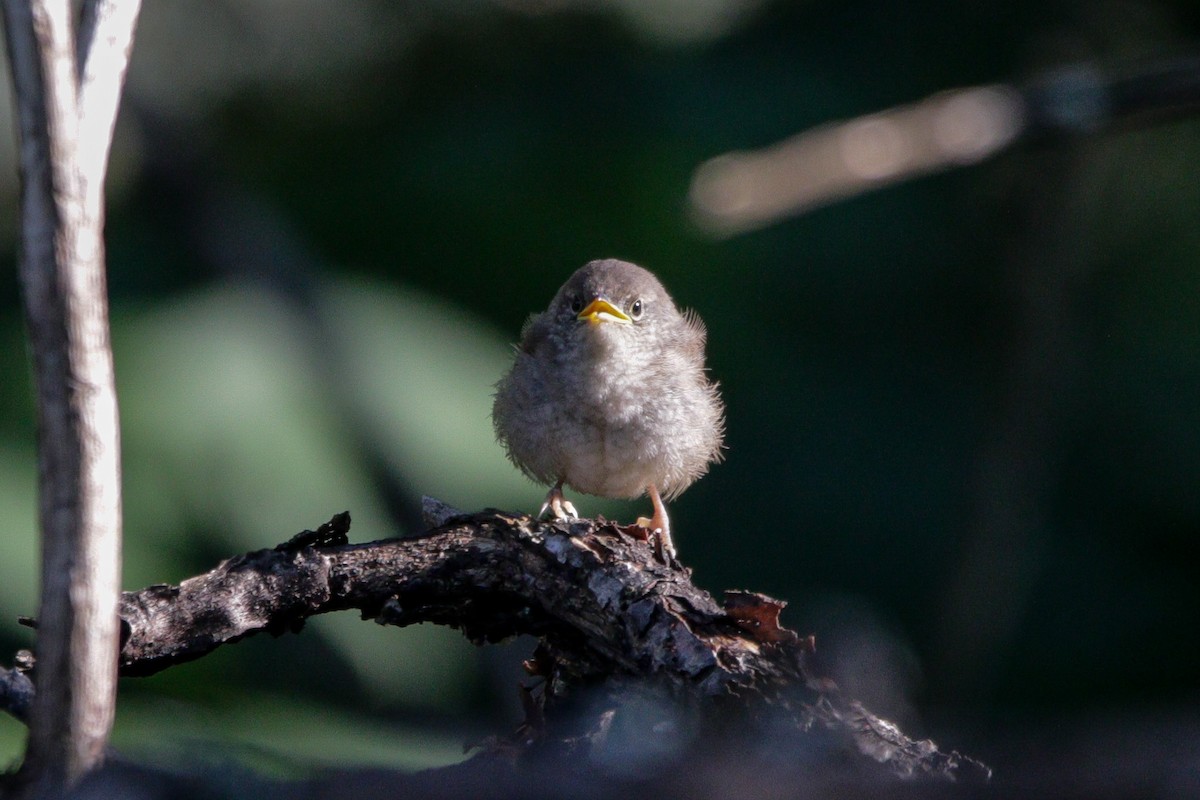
(440, 170)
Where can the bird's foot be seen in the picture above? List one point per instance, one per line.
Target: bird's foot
(660, 540)
(660, 527)
(558, 506)
(664, 548)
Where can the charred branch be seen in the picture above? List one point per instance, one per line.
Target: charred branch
(615, 622)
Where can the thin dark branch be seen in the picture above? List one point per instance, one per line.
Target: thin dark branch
(1084, 98)
(242, 236)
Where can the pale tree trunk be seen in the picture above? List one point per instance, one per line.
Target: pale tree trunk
(68, 84)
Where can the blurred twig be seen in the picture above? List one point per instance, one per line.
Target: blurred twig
(243, 236)
(1003, 551)
(68, 84)
(742, 191)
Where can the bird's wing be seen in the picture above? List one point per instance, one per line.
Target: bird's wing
(535, 332)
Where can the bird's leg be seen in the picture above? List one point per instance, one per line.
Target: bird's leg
(660, 525)
(558, 506)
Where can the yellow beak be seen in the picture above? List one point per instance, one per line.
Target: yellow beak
(600, 310)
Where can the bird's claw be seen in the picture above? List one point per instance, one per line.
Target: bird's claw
(559, 507)
(664, 548)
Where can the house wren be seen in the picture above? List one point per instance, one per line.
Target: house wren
(608, 394)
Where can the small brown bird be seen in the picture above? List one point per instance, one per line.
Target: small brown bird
(608, 394)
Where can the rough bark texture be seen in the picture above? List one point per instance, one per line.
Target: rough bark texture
(608, 611)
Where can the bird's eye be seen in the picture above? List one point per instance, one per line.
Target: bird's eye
(576, 304)
(635, 309)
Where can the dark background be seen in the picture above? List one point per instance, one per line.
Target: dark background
(964, 428)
